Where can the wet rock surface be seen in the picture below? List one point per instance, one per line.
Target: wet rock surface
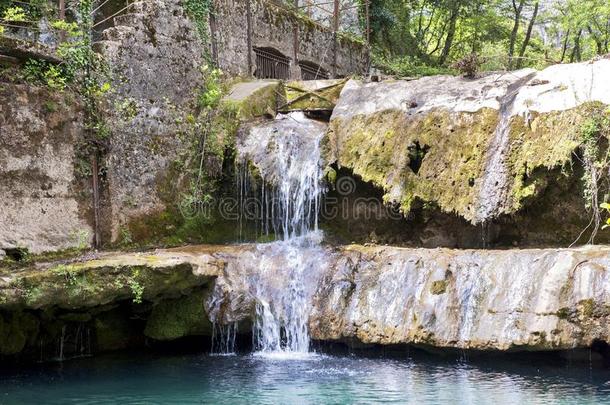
(486, 300)
(494, 300)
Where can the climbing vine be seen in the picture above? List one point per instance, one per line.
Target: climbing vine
(595, 159)
(199, 11)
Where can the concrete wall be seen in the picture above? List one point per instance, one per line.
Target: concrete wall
(43, 203)
(274, 26)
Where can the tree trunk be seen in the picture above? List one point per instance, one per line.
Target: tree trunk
(455, 13)
(528, 35)
(575, 56)
(564, 48)
(598, 42)
(513, 35)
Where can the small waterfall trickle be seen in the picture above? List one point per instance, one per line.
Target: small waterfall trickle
(74, 341)
(280, 276)
(61, 343)
(493, 194)
(223, 338)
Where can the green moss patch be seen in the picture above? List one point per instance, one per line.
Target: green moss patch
(173, 319)
(377, 148)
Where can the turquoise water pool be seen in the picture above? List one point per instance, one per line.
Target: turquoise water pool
(315, 379)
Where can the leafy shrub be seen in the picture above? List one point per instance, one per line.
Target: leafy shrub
(14, 14)
(406, 66)
(212, 90)
(469, 65)
(71, 28)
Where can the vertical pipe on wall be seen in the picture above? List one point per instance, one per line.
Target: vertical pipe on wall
(249, 35)
(213, 34)
(336, 12)
(295, 44)
(97, 240)
(61, 17)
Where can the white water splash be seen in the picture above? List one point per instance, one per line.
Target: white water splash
(282, 286)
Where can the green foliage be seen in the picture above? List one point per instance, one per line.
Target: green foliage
(125, 237)
(81, 239)
(406, 66)
(14, 14)
(436, 33)
(137, 289)
(199, 11)
(65, 271)
(211, 91)
(46, 73)
(70, 28)
(128, 108)
(595, 132)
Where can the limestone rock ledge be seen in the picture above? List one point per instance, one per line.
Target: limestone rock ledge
(107, 278)
(538, 299)
(491, 300)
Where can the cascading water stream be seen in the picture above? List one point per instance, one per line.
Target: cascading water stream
(281, 276)
(494, 188)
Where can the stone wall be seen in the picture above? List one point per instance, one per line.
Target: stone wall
(273, 26)
(44, 206)
(155, 56)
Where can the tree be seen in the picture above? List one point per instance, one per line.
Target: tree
(528, 35)
(518, 9)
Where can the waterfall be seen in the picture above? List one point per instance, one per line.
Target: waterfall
(493, 194)
(281, 276)
(282, 285)
(286, 155)
(493, 189)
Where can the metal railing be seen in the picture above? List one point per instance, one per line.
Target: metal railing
(271, 64)
(56, 10)
(312, 71)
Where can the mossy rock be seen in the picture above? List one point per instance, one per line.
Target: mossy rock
(113, 330)
(315, 95)
(438, 287)
(99, 282)
(248, 100)
(176, 318)
(542, 143)
(449, 169)
(17, 329)
(377, 148)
